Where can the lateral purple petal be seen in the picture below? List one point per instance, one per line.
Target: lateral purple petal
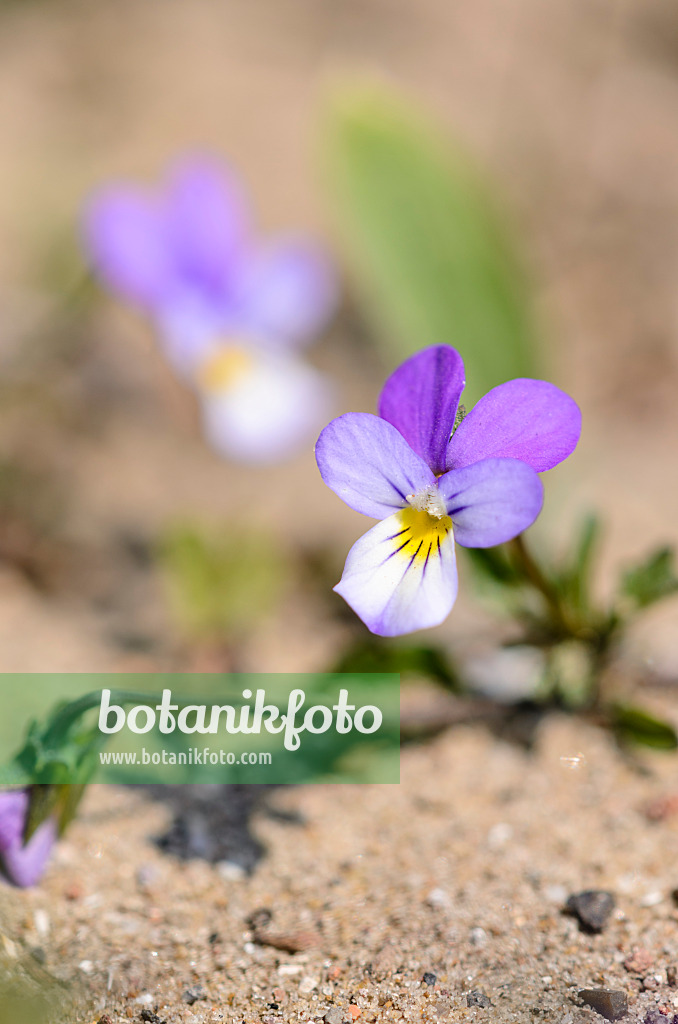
(24, 865)
(290, 292)
(125, 235)
(368, 463)
(530, 420)
(13, 808)
(491, 501)
(207, 224)
(420, 398)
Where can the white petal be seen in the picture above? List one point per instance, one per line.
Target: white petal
(402, 575)
(268, 411)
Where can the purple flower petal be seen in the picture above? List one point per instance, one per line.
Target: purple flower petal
(530, 420)
(368, 463)
(491, 501)
(13, 808)
(125, 236)
(207, 226)
(402, 575)
(24, 865)
(290, 292)
(421, 397)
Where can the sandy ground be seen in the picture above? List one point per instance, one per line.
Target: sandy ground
(462, 870)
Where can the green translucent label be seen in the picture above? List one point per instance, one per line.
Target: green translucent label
(199, 728)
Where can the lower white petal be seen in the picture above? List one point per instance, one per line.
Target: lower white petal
(402, 575)
(268, 411)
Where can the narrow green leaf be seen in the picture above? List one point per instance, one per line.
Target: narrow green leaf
(652, 580)
(636, 725)
(436, 258)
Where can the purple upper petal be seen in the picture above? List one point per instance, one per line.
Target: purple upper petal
(207, 225)
(530, 420)
(368, 463)
(421, 397)
(491, 501)
(290, 291)
(125, 235)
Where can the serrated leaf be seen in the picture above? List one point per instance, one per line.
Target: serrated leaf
(636, 725)
(426, 240)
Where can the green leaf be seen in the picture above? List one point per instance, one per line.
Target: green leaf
(636, 725)
(574, 580)
(374, 655)
(494, 564)
(425, 238)
(652, 580)
(220, 582)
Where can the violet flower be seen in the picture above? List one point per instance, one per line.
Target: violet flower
(431, 487)
(22, 863)
(231, 311)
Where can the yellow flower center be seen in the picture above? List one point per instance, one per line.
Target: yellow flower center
(224, 368)
(420, 533)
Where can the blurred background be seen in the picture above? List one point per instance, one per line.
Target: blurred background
(108, 489)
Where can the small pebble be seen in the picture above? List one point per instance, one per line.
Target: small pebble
(478, 998)
(41, 922)
(354, 1011)
(652, 899)
(672, 975)
(193, 994)
(438, 898)
(334, 1016)
(307, 984)
(609, 1003)
(105, 1019)
(429, 979)
(639, 961)
(655, 1016)
(592, 907)
(478, 937)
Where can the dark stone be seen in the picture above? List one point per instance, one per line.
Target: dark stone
(429, 978)
(193, 994)
(478, 998)
(609, 1003)
(592, 908)
(151, 1018)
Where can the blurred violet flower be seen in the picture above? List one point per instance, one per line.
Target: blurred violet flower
(231, 312)
(22, 863)
(431, 484)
